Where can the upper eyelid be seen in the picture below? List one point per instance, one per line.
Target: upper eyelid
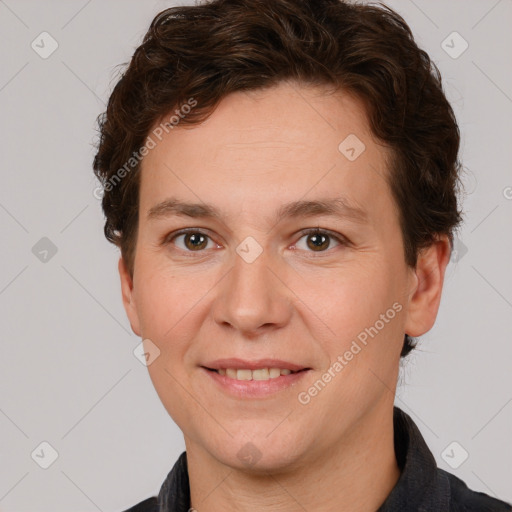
(184, 231)
(180, 232)
(312, 231)
(341, 239)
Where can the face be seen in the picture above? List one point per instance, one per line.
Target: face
(264, 241)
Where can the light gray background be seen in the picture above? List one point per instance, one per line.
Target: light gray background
(67, 372)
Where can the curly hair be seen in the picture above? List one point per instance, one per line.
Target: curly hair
(207, 51)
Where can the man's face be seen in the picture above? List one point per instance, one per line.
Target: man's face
(252, 284)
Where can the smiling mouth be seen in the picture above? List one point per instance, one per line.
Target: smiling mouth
(257, 374)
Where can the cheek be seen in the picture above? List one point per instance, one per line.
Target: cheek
(350, 298)
(164, 296)
(360, 312)
(173, 305)
(169, 307)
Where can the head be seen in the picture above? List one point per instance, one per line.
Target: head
(308, 150)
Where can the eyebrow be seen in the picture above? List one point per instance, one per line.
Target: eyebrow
(337, 207)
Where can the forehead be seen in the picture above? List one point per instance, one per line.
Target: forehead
(270, 146)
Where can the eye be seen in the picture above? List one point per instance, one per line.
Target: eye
(195, 240)
(191, 240)
(318, 240)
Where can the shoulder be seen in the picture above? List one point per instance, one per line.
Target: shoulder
(463, 499)
(149, 505)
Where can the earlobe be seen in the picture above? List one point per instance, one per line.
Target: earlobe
(128, 295)
(425, 295)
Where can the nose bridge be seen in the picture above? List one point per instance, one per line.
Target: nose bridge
(252, 296)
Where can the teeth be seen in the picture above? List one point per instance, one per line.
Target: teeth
(274, 372)
(243, 374)
(262, 374)
(231, 373)
(259, 374)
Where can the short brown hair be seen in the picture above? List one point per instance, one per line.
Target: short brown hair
(208, 51)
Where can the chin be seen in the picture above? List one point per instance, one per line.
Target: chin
(258, 454)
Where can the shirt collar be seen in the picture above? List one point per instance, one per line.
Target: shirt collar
(420, 486)
(174, 496)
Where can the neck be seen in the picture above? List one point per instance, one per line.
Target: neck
(356, 475)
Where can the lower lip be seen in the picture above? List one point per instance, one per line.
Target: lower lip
(255, 388)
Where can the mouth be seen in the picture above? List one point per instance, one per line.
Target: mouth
(261, 369)
(256, 374)
(254, 379)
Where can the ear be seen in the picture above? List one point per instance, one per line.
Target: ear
(426, 288)
(128, 296)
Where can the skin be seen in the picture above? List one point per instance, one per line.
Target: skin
(295, 302)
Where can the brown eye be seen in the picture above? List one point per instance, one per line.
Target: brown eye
(195, 241)
(319, 240)
(191, 241)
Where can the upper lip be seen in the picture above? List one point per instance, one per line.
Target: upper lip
(253, 365)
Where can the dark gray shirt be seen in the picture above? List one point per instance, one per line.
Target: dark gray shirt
(422, 486)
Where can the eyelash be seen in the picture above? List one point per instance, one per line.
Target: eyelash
(340, 239)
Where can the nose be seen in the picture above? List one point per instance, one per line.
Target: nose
(253, 298)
